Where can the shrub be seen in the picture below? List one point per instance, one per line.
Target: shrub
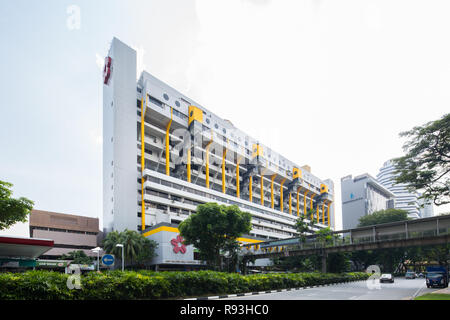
(115, 285)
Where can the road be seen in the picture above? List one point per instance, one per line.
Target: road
(401, 289)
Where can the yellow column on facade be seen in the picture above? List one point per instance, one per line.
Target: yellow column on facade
(298, 201)
(328, 212)
(323, 213)
(167, 143)
(317, 213)
(281, 194)
(305, 209)
(271, 190)
(262, 190)
(188, 164)
(311, 206)
(207, 163)
(224, 155)
(143, 109)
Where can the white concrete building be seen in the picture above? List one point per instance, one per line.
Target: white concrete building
(361, 196)
(192, 156)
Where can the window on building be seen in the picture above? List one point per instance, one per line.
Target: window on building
(156, 101)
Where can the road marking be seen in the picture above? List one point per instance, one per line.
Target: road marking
(353, 298)
(418, 290)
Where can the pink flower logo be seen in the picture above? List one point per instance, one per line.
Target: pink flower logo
(178, 248)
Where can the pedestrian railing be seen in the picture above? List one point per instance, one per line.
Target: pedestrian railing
(338, 241)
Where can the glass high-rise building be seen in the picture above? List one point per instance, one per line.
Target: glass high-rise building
(404, 199)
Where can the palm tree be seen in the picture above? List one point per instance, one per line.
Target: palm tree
(110, 241)
(136, 247)
(147, 251)
(132, 243)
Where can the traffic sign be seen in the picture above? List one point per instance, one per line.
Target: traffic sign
(108, 260)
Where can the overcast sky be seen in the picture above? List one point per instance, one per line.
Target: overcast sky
(330, 84)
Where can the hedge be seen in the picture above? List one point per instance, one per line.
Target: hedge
(49, 285)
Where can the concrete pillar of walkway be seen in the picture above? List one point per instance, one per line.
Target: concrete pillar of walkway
(324, 263)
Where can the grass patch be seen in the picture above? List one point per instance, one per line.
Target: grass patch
(434, 296)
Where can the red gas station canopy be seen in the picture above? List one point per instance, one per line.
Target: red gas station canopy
(16, 247)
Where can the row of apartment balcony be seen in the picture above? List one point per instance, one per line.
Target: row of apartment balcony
(215, 184)
(157, 125)
(155, 158)
(184, 206)
(259, 229)
(170, 191)
(156, 152)
(285, 209)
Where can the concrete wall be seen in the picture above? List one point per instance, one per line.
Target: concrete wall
(56, 252)
(165, 253)
(353, 202)
(119, 141)
(47, 219)
(67, 238)
(362, 195)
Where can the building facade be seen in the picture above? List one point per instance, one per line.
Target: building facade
(69, 232)
(426, 208)
(404, 199)
(361, 196)
(164, 154)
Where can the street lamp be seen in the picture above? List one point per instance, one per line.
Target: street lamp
(98, 256)
(119, 245)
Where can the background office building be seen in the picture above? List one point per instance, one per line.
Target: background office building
(68, 232)
(164, 154)
(404, 199)
(361, 196)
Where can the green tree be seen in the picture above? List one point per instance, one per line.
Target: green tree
(426, 164)
(78, 257)
(137, 248)
(437, 253)
(132, 244)
(214, 229)
(387, 259)
(12, 210)
(325, 236)
(383, 216)
(338, 262)
(147, 251)
(110, 241)
(303, 228)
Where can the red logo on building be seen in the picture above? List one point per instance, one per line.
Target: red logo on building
(107, 70)
(178, 245)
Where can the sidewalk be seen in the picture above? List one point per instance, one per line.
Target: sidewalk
(442, 294)
(442, 291)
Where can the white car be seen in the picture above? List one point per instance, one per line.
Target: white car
(387, 277)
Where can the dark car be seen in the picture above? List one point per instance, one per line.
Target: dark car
(435, 279)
